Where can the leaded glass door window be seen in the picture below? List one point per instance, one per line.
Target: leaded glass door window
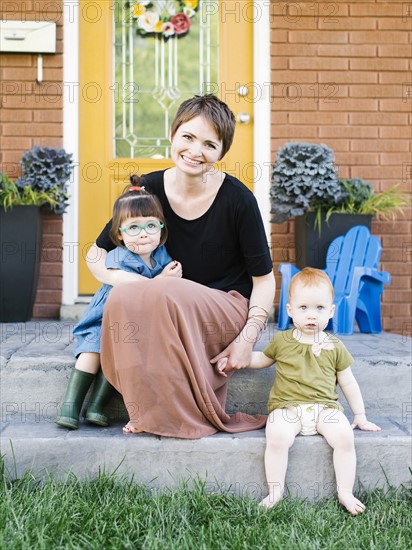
(154, 73)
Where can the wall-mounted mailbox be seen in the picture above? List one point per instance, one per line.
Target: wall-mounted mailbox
(28, 37)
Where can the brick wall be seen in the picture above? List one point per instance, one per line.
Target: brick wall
(341, 76)
(31, 114)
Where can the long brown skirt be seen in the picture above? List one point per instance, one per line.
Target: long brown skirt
(157, 341)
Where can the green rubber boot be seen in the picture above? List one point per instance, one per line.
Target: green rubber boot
(102, 392)
(71, 406)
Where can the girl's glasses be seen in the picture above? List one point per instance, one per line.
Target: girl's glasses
(134, 229)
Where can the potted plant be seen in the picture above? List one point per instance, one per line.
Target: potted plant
(305, 186)
(43, 185)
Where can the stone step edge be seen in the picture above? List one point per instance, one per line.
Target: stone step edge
(225, 462)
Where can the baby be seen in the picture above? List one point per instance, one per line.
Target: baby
(303, 399)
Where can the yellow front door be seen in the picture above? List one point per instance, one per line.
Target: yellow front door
(115, 84)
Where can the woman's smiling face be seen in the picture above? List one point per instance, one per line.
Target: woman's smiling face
(195, 147)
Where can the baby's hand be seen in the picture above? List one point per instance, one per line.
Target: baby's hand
(174, 269)
(221, 365)
(364, 424)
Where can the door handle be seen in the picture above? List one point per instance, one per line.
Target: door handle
(243, 118)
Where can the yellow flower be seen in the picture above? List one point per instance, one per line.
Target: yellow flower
(158, 27)
(192, 4)
(138, 10)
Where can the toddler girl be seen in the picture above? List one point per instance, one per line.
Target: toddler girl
(139, 231)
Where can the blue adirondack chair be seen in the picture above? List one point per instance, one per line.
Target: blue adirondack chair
(352, 265)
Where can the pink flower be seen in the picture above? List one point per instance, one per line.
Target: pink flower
(181, 23)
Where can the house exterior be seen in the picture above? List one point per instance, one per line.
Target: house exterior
(323, 72)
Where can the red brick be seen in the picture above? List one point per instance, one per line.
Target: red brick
(13, 115)
(318, 63)
(33, 101)
(395, 23)
(379, 64)
(50, 283)
(381, 37)
(319, 37)
(403, 310)
(278, 35)
(339, 145)
(291, 50)
(396, 105)
(14, 74)
(348, 131)
(296, 132)
(396, 78)
(351, 104)
(355, 158)
(378, 119)
(303, 104)
(48, 116)
(395, 159)
(46, 311)
(398, 296)
(381, 145)
(390, 50)
(392, 227)
(21, 60)
(15, 143)
(48, 296)
(317, 118)
(281, 78)
(399, 241)
(51, 269)
(397, 268)
(345, 50)
(11, 129)
(349, 24)
(48, 141)
(51, 254)
(376, 91)
(349, 77)
(373, 10)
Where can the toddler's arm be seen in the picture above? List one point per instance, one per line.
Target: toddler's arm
(259, 361)
(353, 395)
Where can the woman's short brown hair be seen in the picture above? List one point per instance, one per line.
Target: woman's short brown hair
(215, 111)
(133, 203)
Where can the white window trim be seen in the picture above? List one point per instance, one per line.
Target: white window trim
(261, 133)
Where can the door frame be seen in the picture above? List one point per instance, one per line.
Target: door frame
(261, 131)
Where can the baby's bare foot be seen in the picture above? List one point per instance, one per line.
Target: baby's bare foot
(270, 501)
(351, 503)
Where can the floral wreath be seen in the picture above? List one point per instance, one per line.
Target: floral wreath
(163, 18)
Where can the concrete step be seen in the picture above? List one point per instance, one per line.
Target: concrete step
(37, 358)
(225, 462)
(36, 361)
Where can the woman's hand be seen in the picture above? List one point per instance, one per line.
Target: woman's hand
(174, 269)
(236, 356)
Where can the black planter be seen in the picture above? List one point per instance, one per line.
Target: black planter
(20, 234)
(311, 246)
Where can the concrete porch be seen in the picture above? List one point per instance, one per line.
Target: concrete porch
(36, 360)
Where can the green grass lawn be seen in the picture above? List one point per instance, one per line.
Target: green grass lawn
(113, 513)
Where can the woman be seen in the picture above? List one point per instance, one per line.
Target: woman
(162, 339)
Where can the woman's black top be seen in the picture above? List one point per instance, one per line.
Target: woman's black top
(224, 247)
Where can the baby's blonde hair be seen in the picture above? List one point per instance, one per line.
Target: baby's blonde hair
(310, 276)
